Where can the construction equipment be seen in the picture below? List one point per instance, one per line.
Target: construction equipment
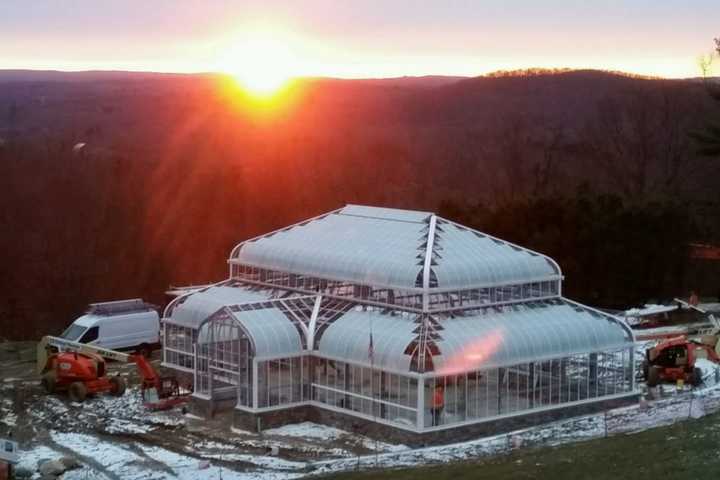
(648, 316)
(675, 358)
(80, 369)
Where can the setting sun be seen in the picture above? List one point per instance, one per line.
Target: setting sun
(262, 61)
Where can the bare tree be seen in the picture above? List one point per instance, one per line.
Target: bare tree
(639, 140)
(545, 169)
(708, 138)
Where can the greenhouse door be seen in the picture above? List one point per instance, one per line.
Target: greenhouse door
(224, 360)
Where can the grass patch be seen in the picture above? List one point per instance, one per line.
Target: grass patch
(685, 450)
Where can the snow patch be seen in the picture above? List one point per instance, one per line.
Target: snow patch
(186, 468)
(210, 445)
(165, 419)
(55, 405)
(710, 371)
(193, 417)
(144, 461)
(118, 425)
(371, 444)
(310, 430)
(31, 459)
(307, 430)
(239, 431)
(114, 458)
(84, 473)
(263, 461)
(9, 419)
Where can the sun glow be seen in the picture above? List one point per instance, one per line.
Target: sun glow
(262, 61)
(473, 355)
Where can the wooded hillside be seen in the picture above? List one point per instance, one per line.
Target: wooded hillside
(595, 169)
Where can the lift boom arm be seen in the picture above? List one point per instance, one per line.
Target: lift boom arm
(70, 346)
(163, 392)
(147, 372)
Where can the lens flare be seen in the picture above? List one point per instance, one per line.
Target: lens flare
(473, 355)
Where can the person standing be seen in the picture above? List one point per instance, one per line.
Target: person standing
(438, 404)
(694, 299)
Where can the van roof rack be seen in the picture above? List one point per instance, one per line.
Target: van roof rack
(119, 306)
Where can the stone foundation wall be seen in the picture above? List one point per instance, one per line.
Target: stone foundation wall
(208, 408)
(255, 422)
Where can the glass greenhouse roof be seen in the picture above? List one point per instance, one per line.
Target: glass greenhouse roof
(496, 338)
(387, 248)
(364, 249)
(349, 338)
(525, 333)
(198, 306)
(467, 257)
(268, 329)
(271, 332)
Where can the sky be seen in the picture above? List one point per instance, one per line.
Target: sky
(358, 39)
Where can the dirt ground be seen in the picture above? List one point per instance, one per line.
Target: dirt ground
(118, 438)
(33, 418)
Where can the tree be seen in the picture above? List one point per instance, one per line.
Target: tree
(639, 140)
(708, 139)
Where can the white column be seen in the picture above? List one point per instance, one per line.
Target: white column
(632, 369)
(164, 343)
(420, 420)
(313, 323)
(255, 383)
(195, 368)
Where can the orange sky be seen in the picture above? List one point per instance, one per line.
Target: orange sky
(357, 39)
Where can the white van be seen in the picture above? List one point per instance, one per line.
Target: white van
(120, 325)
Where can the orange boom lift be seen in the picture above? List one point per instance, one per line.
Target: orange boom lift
(675, 358)
(80, 370)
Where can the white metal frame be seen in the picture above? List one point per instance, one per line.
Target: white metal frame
(326, 299)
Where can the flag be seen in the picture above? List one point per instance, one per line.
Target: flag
(371, 348)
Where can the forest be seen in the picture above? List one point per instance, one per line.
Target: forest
(117, 185)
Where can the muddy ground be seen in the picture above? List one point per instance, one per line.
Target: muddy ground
(35, 419)
(118, 438)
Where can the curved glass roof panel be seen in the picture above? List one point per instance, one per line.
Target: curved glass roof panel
(385, 247)
(272, 333)
(497, 338)
(386, 213)
(467, 258)
(349, 338)
(526, 333)
(198, 306)
(355, 246)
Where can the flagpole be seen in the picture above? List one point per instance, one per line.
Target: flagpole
(371, 353)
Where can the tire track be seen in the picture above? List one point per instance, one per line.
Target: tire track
(89, 461)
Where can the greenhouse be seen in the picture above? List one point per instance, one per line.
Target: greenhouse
(397, 317)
